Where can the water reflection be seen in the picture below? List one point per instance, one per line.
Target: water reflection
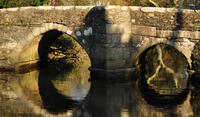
(195, 94)
(52, 99)
(56, 92)
(164, 98)
(47, 93)
(128, 100)
(109, 100)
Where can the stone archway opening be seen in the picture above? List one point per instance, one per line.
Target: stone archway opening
(62, 75)
(53, 49)
(164, 69)
(59, 50)
(65, 63)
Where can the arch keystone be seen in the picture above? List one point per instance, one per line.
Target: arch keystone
(42, 30)
(51, 26)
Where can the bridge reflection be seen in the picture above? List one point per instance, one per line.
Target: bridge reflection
(64, 92)
(132, 99)
(52, 100)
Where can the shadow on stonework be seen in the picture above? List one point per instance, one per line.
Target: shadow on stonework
(97, 20)
(107, 54)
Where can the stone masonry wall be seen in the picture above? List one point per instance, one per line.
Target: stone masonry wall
(113, 36)
(176, 27)
(20, 27)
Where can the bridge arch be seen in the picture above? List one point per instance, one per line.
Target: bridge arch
(36, 44)
(142, 54)
(164, 68)
(178, 47)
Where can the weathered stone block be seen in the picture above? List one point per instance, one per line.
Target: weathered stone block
(45, 7)
(134, 8)
(153, 9)
(51, 26)
(113, 53)
(113, 38)
(184, 34)
(42, 30)
(46, 26)
(124, 30)
(172, 10)
(118, 28)
(100, 38)
(164, 33)
(144, 30)
(98, 52)
(178, 34)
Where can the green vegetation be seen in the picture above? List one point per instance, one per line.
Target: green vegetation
(21, 3)
(156, 3)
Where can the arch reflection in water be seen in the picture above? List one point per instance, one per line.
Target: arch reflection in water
(54, 91)
(60, 95)
(165, 69)
(128, 100)
(63, 80)
(161, 100)
(109, 100)
(106, 100)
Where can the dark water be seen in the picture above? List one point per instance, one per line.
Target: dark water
(47, 93)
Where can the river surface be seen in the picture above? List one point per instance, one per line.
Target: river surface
(47, 93)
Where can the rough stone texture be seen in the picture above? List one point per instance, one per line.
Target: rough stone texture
(144, 30)
(114, 37)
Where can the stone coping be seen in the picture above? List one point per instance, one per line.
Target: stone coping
(132, 8)
(153, 32)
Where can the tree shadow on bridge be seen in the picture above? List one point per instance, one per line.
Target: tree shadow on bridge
(97, 20)
(178, 26)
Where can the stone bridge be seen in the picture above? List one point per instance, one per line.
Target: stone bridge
(113, 36)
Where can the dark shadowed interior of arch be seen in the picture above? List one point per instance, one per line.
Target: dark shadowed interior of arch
(61, 51)
(164, 69)
(61, 82)
(164, 76)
